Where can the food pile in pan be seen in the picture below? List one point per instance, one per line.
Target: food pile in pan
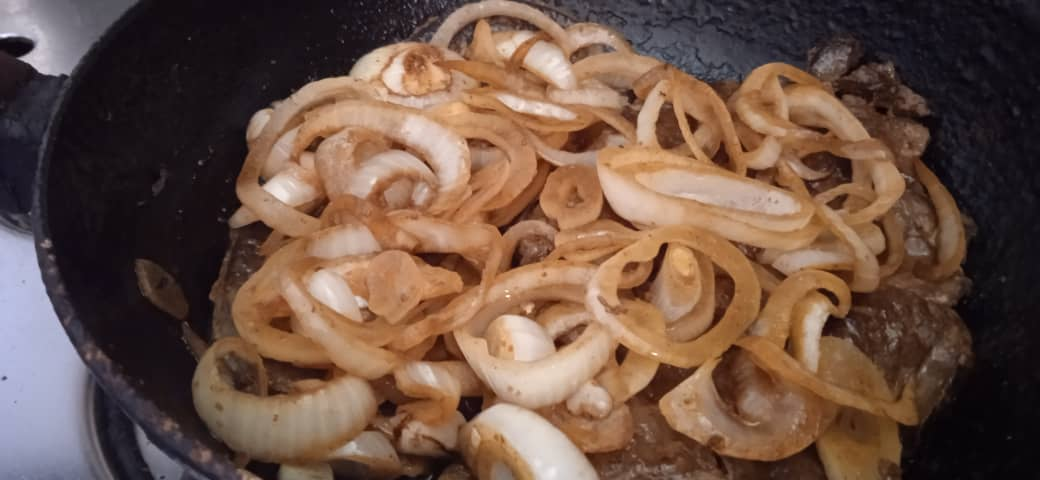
(535, 253)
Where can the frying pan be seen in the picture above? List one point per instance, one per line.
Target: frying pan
(144, 145)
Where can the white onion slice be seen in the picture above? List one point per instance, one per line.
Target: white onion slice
(646, 123)
(281, 154)
(257, 123)
(392, 166)
(372, 450)
(590, 93)
(516, 337)
(534, 107)
(294, 185)
(507, 441)
(444, 150)
(279, 427)
(720, 191)
(333, 290)
(543, 59)
(591, 400)
(343, 240)
(489, 8)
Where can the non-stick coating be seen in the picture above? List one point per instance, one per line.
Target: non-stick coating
(143, 154)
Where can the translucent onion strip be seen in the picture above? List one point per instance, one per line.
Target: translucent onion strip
(279, 427)
(602, 298)
(951, 242)
(572, 196)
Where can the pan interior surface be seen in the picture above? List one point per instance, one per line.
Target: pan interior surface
(144, 152)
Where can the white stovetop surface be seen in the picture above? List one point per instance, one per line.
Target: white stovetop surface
(43, 383)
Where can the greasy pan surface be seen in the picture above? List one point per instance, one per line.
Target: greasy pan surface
(142, 156)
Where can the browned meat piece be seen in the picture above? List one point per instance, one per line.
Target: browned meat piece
(915, 210)
(909, 338)
(532, 249)
(834, 57)
(839, 168)
(242, 259)
(904, 136)
(946, 293)
(657, 452)
(879, 85)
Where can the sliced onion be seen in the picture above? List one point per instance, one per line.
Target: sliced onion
(563, 317)
(866, 271)
(411, 74)
(602, 298)
(590, 93)
(774, 322)
(516, 337)
(429, 439)
(294, 186)
(160, 288)
(278, 428)
(490, 8)
(281, 154)
(697, 321)
(809, 317)
(792, 418)
(507, 441)
(534, 107)
(381, 171)
(351, 354)
(646, 124)
(594, 435)
(572, 196)
(445, 151)
(369, 453)
(273, 212)
(655, 188)
(551, 379)
(677, 287)
(395, 284)
(561, 157)
(338, 157)
(617, 69)
(589, 34)
(257, 123)
(252, 312)
(342, 241)
(430, 380)
(951, 241)
(543, 58)
(332, 290)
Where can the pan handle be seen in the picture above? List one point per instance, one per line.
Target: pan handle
(27, 99)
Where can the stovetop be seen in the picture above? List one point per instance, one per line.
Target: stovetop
(55, 423)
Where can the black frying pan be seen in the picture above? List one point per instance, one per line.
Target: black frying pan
(140, 158)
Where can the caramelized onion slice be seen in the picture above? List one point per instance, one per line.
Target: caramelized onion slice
(293, 427)
(491, 8)
(572, 196)
(951, 242)
(444, 150)
(602, 298)
(656, 188)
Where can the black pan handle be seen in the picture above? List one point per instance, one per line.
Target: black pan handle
(27, 99)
